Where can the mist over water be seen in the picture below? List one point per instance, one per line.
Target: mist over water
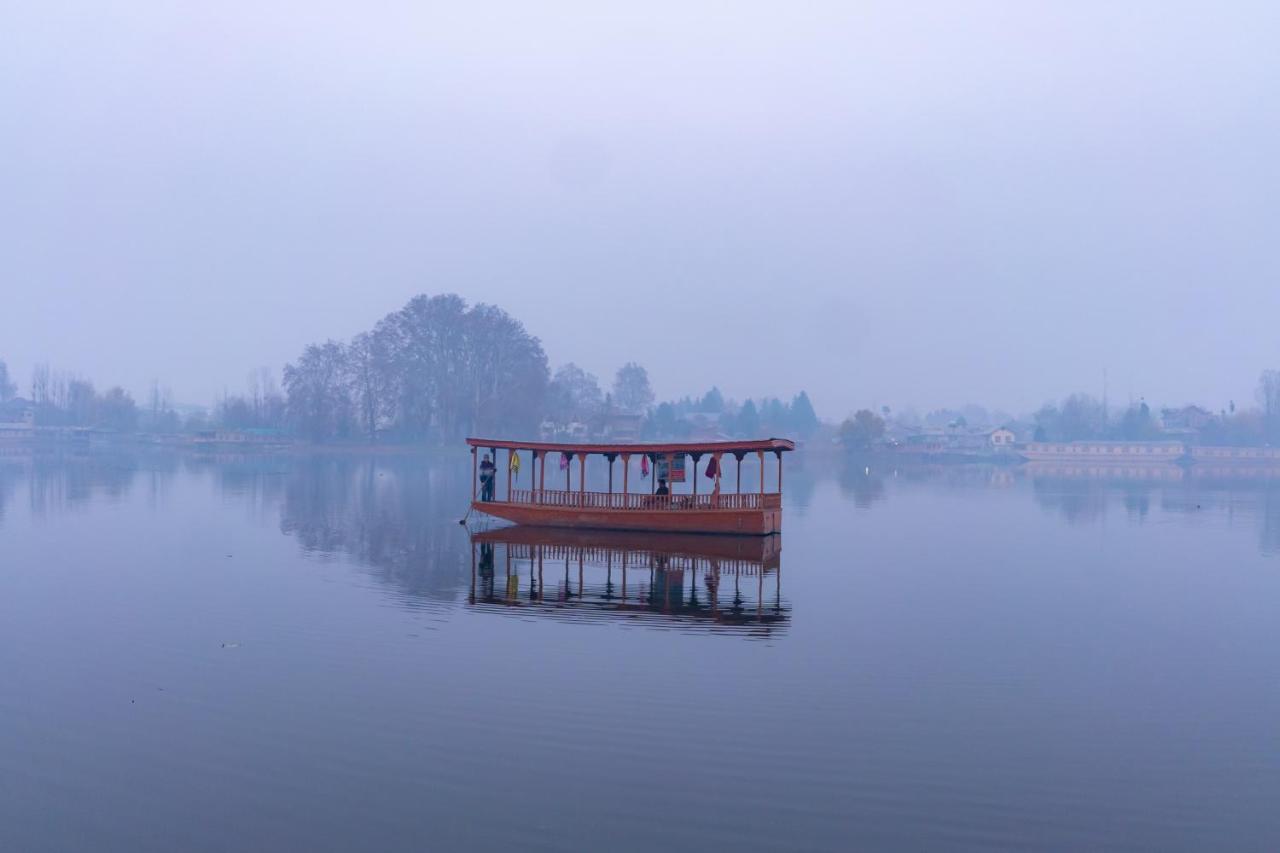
(248, 652)
(994, 281)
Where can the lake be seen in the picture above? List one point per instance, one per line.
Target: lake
(241, 653)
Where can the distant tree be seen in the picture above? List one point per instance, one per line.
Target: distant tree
(159, 415)
(7, 387)
(861, 431)
(574, 394)
(116, 410)
(318, 392)
(505, 375)
(1082, 417)
(1048, 422)
(234, 411)
(438, 367)
(804, 420)
(81, 402)
(42, 391)
(367, 382)
(1269, 392)
(661, 423)
(1136, 424)
(774, 416)
(712, 401)
(196, 421)
(427, 341)
(748, 421)
(1269, 399)
(266, 403)
(631, 389)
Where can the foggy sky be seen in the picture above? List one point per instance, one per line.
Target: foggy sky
(903, 203)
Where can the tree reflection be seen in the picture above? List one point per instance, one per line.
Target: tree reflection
(60, 482)
(11, 471)
(395, 515)
(1270, 535)
(858, 481)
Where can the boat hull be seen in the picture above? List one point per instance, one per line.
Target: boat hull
(741, 522)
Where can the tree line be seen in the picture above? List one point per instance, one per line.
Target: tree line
(436, 369)
(440, 369)
(748, 419)
(1082, 417)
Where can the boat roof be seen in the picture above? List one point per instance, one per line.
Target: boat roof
(691, 447)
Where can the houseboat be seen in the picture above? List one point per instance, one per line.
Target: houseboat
(526, 498)
(1107, 452)
(1236, 455)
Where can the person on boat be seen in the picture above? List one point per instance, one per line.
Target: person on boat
(487, 477)
(662, 487)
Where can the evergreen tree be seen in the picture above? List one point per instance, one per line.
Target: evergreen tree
(804, 420)
(748, 420)
(712, 401)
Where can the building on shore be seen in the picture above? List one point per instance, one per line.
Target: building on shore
(977, 442)
(1186, 419)
(17, 420)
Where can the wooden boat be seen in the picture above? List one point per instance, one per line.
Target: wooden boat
(753, 512)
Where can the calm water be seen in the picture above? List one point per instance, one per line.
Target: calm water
(297, 653)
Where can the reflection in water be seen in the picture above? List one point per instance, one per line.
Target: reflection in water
(12, 469)
(1128, 676)
(255, 479)
(686, 581)
(861, 482)
(64, 481)
(396, 515)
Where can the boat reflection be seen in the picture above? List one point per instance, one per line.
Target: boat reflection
(673, 580)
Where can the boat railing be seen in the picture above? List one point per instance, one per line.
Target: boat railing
(642, 502)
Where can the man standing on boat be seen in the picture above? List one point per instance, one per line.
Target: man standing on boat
(487, 478)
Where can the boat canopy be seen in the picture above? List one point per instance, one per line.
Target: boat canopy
(690, 448)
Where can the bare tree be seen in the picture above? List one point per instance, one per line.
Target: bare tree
(318, 391)
(7, 388)
(41, 385)
(631, 390)
(574, 394)
(366, 381)
(1269, 399)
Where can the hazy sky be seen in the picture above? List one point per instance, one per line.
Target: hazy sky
(893, 202)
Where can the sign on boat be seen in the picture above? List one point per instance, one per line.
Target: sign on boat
(527, 499)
